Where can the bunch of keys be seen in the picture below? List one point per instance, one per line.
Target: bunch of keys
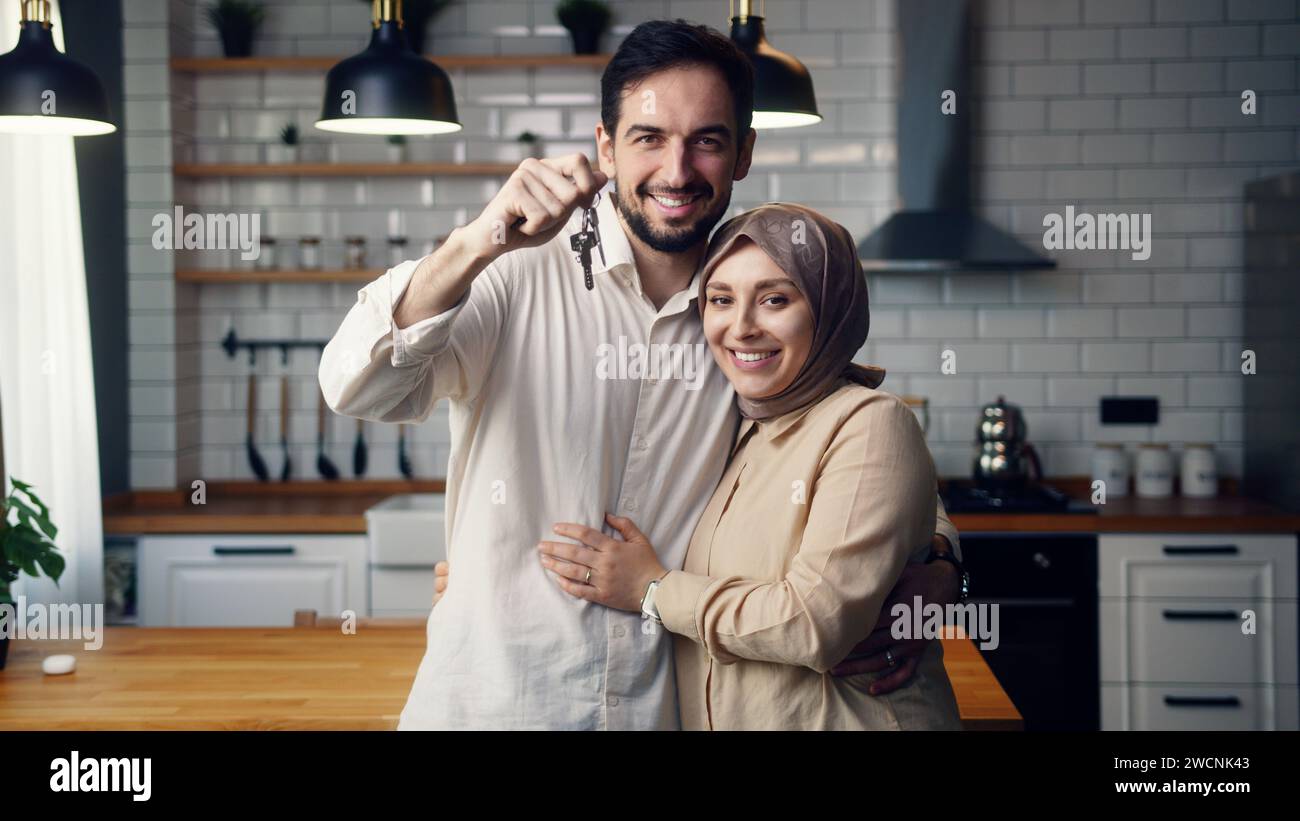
(587, 238)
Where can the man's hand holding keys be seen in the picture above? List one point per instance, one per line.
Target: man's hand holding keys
(543, 193)
(532, 207)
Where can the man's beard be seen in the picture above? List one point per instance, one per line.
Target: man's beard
(675, 240)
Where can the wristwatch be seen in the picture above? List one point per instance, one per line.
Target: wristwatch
(946, 556)
(648, 609)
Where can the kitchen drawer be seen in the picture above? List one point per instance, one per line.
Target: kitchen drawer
(1190, 707)
(248, 581)
(1197, 566)
(1191, 640)
(401, 591)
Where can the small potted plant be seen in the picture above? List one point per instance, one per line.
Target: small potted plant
(531, 143)
(26, 545)
(237, 22)
(287, 150)
(586, 20)
(416, 16)
(396, 148)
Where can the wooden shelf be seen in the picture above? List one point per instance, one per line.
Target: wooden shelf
(213, 65)
(354, 169)
(228, 277)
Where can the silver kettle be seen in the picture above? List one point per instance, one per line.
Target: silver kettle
(1002, 456)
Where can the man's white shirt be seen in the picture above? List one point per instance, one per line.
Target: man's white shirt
(551, 421)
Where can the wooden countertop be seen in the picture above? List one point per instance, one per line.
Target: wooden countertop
(257, 507)
(290, 679)
(339, 507)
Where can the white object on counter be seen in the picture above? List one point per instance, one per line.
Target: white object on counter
(58, 665)
(1110, 465)
(1155, 472)
(1200, 475)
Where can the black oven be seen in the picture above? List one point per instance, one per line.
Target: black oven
(1047, 658)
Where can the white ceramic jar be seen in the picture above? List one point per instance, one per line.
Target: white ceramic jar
(1155, 472)
(1200, 474)
(1110, 465)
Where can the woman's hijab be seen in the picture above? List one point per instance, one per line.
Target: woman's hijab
(819, 255)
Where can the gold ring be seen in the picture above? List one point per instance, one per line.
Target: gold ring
(588, 579)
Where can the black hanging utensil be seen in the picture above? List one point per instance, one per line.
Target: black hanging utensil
(324, 466)
(255, 461)
(360, 454)
(403, 461)
(287, 469)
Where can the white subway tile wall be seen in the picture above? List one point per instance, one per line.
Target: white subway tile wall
(1109, 106)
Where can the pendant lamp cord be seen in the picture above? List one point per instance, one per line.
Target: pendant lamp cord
(35, 11)
(382, 11)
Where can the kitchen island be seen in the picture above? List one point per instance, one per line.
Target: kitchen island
(290, 679)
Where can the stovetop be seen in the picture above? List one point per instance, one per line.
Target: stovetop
(966, 496)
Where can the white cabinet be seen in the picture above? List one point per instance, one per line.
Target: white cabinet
(1206, 707)
(1198, 632)
(248, 580)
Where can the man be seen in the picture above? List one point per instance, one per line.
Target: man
(554, 413)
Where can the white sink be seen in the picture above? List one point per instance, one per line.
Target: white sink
(407, 530)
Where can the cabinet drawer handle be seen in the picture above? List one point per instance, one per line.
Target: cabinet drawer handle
(254, 550)
(1202, 701)
(1201, 615)
(1201, 550)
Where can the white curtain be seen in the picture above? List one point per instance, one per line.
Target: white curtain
(47, 393)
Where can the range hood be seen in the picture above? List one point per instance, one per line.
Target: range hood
(936, 230)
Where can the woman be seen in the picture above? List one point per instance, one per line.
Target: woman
(829, 491)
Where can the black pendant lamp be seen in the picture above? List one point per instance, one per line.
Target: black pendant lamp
(783, 88)
(388, 88)
(42, 90)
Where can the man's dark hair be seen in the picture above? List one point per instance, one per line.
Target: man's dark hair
(657, 45)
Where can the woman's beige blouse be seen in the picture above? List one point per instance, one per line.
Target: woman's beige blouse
(789, 566)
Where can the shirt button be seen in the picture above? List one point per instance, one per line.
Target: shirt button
(618, 632)
(641, 443)
(612, 701)
(629, 504)
(361, 296)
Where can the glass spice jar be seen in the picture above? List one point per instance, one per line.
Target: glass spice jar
(266, 254)
(309, 253)
(396, 251)
(355, 253)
